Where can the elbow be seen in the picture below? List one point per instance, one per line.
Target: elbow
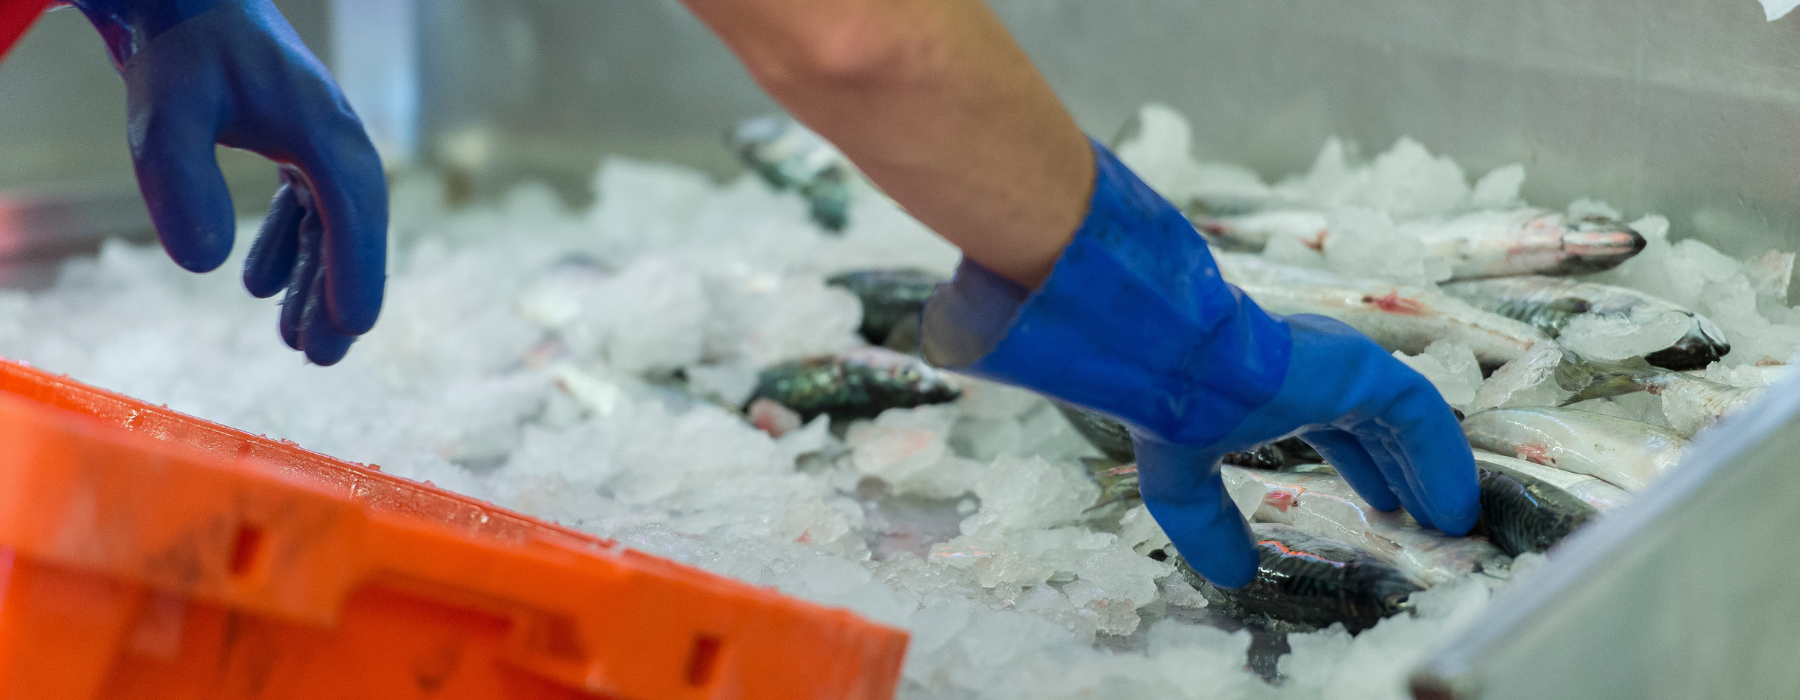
(854, 50)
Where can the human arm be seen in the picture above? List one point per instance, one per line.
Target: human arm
(937, 104)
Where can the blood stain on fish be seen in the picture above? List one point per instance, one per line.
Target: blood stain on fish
(1393, 303)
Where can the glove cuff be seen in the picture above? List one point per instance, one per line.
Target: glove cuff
(1134, 321)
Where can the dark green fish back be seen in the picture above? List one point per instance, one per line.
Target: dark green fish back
(1523, 514)
(889, 297)
(1305, 582)
(848, 388)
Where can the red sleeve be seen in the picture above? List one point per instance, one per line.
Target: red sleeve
(16, 16)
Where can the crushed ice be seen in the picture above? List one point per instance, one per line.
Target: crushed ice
(522, 358)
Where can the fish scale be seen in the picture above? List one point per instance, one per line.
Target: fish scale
(1305, 582)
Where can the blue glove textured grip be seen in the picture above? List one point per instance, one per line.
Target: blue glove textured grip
(233, 73)
(1134, 321)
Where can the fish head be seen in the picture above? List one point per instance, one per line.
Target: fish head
(1704, 344)
(1596, 243)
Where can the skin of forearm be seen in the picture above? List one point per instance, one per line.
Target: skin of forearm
(937, 104)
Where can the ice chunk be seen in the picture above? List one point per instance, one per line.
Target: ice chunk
(653, 315)
(1331, 182)
(1366, 243)
(1499, 189)
(1529, 380)
(1029, 493)
(1139, 531)
(909, 449)
(1621, 337)
(1160, 152)
(769, 318)
(1449, 366)
(1407, 181)
(1777, 9)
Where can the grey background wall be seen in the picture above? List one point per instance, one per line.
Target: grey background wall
(1690, 109)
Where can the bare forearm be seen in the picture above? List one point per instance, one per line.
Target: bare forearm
(937, 104)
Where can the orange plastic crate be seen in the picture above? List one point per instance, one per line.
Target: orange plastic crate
(148, 554)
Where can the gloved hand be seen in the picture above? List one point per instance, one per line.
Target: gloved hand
(232, 72)
(1135, 322)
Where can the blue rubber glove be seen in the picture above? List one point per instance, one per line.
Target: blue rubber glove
(1135, 322)
(232, 72)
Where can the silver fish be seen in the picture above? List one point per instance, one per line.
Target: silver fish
(1604, 497)
(1396, 316)
(1521, 512)
(791, 157)
(1690, 402)
(1324, 505)
(1625, 453)
(1548, 303)
(1527, 242)
(1476, 245)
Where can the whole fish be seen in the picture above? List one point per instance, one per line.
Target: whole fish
(1691, 402)
(791, 157)
(1114, 440)
(1324, 505)
(1398, 317)
(1304, 582)
(860, 383)
(1548, 303)
(1523, 513)
(1527, 242)
(888, 297)
(1476, 245)
(1625, 453)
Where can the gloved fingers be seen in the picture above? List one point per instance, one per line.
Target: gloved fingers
(323, 344)
(301, 288)
(1428, 440)
(270, 264)
(1380, 448)
(349, 192)
(172, 154)
(1346, 454)
(1184, 493)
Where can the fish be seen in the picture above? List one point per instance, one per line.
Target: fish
(1322, 504)
(1304, 582)
(1625, 453)
(1604, 497)
(1690, 402)
(1397, 317)
(1547, 303)
(791, 157)
(1251, 232)
(889, 298)
(1108, 436)
(1521, 512)
(1113, 439)
(1476, 245)
(860, 383)
(1118, 489)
